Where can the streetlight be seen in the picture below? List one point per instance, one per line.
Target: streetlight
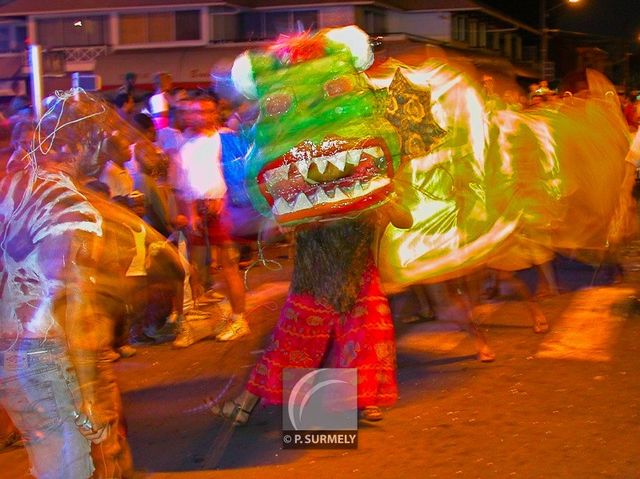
(544, 13)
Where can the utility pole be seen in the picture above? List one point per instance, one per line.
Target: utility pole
(544, 39)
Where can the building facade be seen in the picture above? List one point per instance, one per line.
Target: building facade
(190, 37)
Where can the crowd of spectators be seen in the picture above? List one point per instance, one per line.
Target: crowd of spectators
(158, 261)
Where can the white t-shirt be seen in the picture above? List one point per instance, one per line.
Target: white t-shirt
(634, 152)
(200, 159)
(159, 105)
(118, 179)
(137, 266)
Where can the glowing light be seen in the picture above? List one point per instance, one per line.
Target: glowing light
(78, 23)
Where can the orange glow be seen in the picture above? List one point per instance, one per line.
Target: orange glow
(507, 189)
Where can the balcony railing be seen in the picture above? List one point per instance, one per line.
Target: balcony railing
(82, 54)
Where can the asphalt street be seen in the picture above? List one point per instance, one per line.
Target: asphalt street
(562, 405)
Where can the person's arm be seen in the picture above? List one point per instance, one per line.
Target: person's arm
(394, 212)
(80, 327)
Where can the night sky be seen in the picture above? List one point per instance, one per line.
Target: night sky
(619, 18)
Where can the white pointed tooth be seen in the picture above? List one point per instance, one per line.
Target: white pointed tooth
(319, 197)
(348, 190)
(357, 189)
(302, 202)
(339, 195)
(303, 167)
(339, 160)
(277, 174)
(269, 177)
(321, 163)
(281, 207)
(374, 151)
(353, 157)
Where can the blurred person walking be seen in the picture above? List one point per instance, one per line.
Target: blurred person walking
(204, 190)
(50, 332)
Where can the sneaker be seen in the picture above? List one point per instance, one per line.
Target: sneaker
(184, 338)
(234, 330)
(126, 351)
(196, 314)
(210, 297)
(174, 318)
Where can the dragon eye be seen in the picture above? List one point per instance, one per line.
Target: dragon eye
(338, 86)
(277, 104)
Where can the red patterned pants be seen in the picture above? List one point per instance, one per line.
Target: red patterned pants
(310, 334)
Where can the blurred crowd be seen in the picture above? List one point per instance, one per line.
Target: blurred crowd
(160, 183)
(161, 173)
(540, 94)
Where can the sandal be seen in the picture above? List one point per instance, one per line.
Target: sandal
(230, 409)
(540, 325)
(371, 413)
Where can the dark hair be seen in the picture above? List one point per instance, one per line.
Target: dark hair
(143, 121)
(121, 99)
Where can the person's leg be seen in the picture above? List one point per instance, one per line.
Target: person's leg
(231, 274)
(112, 457)
(365, 340)
(426, 309)
(459, 291)
(201, 281)
(540, 324)
(547, 284)
(299, 340)
(140, 316)
(237, 326)
(38, 396)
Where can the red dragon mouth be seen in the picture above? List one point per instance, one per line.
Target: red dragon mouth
(332, 178)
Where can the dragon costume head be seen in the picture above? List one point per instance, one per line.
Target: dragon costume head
(322, 145)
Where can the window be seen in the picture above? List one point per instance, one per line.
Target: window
(268, 25)
(252, 26)
(462, 28)
(188, 25)
(459, 28)
(374, 22)
(482, 35)
(508, 45)
(473, 33)
(518, 48)
(159, 27)
(496, 41)
(305, 19)
(12, 37)
(5, 38)
(72, 31)
(278, 23)
(223, 28)
(133, 28)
